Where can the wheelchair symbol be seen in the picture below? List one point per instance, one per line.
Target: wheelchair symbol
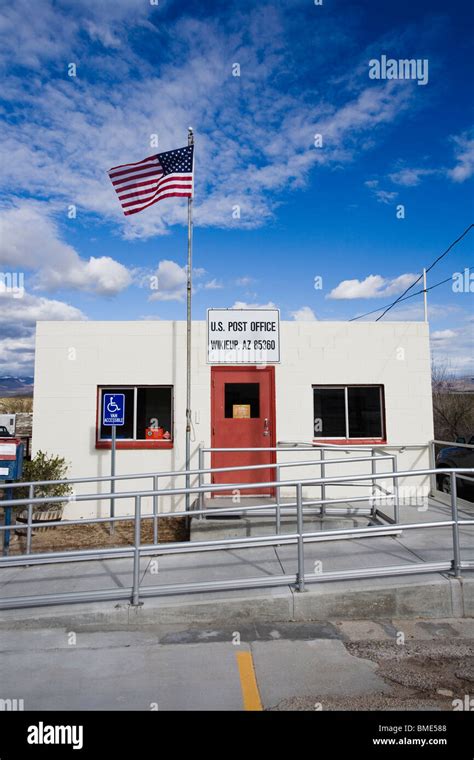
(112, 406)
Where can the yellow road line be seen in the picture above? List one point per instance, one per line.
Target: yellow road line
(248, 681)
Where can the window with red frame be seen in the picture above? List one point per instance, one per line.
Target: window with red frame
(148, 413)
(348, 411)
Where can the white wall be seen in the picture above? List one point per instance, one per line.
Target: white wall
(73, 358)
(393, 354)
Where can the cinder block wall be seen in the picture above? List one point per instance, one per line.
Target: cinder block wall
(73, 358)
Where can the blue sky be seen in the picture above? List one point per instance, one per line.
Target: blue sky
(146, 71)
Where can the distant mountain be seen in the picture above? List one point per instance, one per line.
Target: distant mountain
(16, 386)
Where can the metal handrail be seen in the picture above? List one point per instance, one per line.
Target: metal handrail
(305, 446)
(228, 486)
(453, 444)
(283, 446)
(200, 471)
(260, 508)
(432, 451)
(351, 447)
(177, 473)
(300, 538)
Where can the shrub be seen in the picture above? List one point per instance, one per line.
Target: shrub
(45, 466)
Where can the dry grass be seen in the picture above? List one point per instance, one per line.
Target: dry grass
(16, 404)
(98, 536)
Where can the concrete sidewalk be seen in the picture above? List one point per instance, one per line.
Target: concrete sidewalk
(417, 595)
(297, 666)
(137, 671)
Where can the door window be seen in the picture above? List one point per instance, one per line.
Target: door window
(241, 395)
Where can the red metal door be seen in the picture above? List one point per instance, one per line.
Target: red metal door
(243, 416)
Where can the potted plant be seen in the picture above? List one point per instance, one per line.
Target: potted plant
(44, 466)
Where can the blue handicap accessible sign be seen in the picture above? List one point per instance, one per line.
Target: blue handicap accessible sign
(113, 409)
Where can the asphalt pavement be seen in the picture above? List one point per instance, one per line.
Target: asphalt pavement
(307, 666)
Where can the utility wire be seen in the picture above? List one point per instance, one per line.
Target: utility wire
(412, 295)
(400, 298)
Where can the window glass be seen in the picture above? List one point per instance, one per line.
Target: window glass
(242, 393)
(122, 431)
(329, 412)
(365, 414)
(148, 414)
(153, 411)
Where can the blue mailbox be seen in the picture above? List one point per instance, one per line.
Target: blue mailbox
(11, 468)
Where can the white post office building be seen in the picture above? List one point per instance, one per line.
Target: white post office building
(255, 382)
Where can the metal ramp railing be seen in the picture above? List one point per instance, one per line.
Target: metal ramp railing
(299, 578)
(373, 455)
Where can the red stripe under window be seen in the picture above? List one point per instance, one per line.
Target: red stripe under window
(135, 444)
(350, 441)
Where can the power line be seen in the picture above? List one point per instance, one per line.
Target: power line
(400, 298)
(412, 295)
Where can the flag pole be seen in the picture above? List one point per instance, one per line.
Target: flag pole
(188, 333)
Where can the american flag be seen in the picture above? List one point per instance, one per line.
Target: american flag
(160, 176)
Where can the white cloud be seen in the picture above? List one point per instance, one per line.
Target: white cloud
(171, 280)
(21, 314)
(410, 177)
(30, 239)
(460, 172)
(443, 334)
(464, 168)
(383, 196)
(367, 288)
(213, 285)
(18, 317)
(373, 286)
(455, 346)
(305, 314)
(17, 356)
(245, 305)
(398, 284)
(103, 276)
(31, 39)
(246, 146)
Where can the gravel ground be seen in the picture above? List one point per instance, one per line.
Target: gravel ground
(424, 675)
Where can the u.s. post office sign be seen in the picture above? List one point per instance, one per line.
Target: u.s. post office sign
(243, 336)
